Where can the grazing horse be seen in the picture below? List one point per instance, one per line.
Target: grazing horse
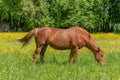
(72, 38)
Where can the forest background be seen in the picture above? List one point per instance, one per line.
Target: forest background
(93, 15)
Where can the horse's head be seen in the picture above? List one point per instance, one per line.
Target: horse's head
(99, 56)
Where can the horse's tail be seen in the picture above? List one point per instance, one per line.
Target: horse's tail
(27, 37)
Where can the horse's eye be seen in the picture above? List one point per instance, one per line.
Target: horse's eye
(101, 55)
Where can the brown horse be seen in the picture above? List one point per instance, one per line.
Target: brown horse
(72, 38)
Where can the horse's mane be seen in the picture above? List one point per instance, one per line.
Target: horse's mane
(82, 31)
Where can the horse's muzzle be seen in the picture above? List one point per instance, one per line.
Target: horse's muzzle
(103, 63)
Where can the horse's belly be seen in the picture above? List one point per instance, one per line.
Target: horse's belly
(60, 45)
(60, 40)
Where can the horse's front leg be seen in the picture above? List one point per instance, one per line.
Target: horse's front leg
(36, 52)
(42, 53)
(73, 54)
(75, 51)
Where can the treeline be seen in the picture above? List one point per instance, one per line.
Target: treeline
(94, 15)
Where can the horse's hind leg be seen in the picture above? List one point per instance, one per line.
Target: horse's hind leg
(42, 53)
(37, 50)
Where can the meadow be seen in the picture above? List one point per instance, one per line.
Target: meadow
(16, 62)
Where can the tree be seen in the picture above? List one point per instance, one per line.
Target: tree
(13, 11)
(114, 14)
(94, 15)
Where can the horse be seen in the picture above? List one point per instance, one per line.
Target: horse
(73, 38)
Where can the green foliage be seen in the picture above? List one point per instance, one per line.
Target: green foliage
(97, 15)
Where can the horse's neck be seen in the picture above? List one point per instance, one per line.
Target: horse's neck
(91, 45)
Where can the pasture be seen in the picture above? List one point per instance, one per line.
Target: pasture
(16, 62)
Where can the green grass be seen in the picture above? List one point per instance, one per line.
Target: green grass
(16, 63)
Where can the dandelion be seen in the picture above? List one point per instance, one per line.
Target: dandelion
(21, 59)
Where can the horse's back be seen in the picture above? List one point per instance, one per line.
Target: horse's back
(71, 32)
(63, 38)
